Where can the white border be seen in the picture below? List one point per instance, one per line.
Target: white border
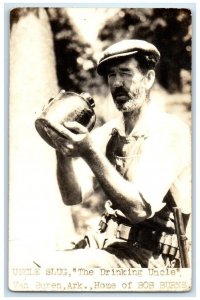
(3, 155)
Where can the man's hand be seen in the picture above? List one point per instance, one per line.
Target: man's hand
(71, 138)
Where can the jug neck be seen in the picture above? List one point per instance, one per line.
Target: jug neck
(88, 99)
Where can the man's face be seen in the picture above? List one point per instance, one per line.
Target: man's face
(127, 85)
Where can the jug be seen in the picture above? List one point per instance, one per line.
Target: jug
(66, 106)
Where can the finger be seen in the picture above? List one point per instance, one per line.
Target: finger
(68, 150)
(69, 146)
(65, 152)
(50, 132)
(75, 126)
(61, 143)
(62, 130)
(55, 137)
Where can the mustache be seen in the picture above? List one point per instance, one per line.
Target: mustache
(119, 91)
(123, 91)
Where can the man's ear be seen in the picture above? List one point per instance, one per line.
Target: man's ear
(150, 78)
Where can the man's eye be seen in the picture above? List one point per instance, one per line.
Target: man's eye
(122, 74)
(126, 73)
(111, 75)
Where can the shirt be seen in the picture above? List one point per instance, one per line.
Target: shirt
(157, 157)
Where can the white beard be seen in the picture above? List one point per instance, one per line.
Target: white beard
(128, 106)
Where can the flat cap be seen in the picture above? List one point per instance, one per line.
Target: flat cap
(127, 48)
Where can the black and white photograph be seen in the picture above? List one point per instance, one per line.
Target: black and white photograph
(100, 149)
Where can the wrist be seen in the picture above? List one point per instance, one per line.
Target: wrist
(87, 151)
(61, 157)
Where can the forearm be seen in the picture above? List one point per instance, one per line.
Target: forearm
(68, 184)
(121, 192)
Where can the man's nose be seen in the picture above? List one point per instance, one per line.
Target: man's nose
(118, 81)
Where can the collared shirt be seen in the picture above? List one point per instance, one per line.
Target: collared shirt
(158, 157)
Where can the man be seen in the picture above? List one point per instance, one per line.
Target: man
(139, 160)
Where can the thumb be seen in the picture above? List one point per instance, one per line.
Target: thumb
(75, 126)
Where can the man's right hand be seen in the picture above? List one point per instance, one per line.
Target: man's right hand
(71, 139)
(59, 141)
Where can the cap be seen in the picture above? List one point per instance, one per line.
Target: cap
(127, 48)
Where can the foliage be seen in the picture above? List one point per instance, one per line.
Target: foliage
(74, 63)
(168, 29)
